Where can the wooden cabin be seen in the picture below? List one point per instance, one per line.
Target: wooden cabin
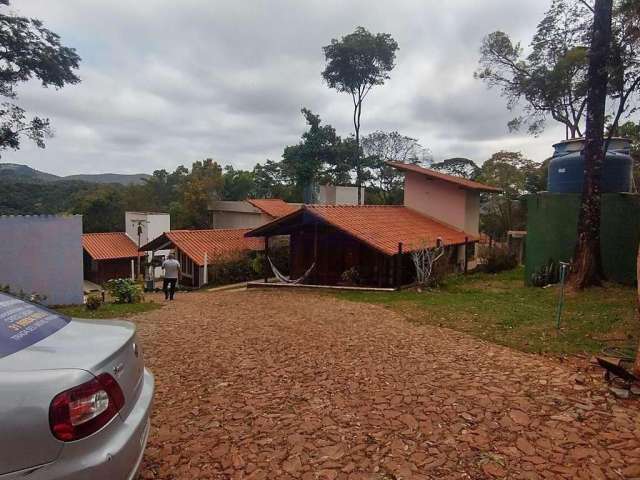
(109, 255)
(196, 248)
(374, 241)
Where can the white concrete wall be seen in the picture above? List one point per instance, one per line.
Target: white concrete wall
(339, 195)
(43, 255)
(222, 219)
(153, 225)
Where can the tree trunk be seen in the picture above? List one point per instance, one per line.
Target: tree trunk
(587, 268)
(356, 124)
(636, 365)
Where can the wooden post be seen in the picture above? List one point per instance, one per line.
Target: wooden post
(399, 267)
(266, 260)
(466, 258)
(315, 252)
(205, 270)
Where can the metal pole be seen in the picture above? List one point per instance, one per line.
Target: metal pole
(563, 275)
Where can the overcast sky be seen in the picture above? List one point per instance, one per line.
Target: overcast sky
(168, 82)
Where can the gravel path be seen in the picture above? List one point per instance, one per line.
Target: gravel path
(283, 385)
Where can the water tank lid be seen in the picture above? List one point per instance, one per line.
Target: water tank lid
(576, 145)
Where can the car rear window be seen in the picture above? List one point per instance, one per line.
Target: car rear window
(22, 324)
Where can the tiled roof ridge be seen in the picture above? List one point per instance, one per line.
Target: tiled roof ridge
(209, 230)
(315, 205)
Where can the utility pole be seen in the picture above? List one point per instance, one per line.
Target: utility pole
(139, 231)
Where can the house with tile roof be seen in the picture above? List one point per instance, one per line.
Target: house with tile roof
(196, 249)
(328, 240)
(248, 213)
(108, 255)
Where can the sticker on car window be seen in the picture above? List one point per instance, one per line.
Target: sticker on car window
(22, 324)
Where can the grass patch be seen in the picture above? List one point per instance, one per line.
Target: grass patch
(109, 310)
(499, 308)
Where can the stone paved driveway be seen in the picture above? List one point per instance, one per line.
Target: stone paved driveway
(284, 385)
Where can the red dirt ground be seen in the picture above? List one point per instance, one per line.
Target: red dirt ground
(287, 385)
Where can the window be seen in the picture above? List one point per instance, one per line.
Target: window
(22, 324)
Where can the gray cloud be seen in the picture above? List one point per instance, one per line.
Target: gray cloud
(167, 83)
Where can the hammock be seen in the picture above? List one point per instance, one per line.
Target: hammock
(284, 278)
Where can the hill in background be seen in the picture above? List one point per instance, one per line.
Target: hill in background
(16, 173)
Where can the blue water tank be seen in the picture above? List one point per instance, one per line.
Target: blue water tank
(566, 169)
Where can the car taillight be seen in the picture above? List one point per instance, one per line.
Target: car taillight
(80, 411)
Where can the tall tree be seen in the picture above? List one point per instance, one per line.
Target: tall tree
(380, 147)
(317, 157)
(458, 166)
(355, 64)
(29, 51)
(551, 79)
(587, 267)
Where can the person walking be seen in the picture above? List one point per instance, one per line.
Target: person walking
(172, 272)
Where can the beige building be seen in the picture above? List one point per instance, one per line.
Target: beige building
(454, 201)
(248, 213)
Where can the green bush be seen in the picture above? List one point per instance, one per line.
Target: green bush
(93, 302)
(233, 269)
(124, 290)
(497, 259)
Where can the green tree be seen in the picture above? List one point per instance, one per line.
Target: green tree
(238, 184)
(29, 50)
(316, 157)
(163, 187)
(203, 184)
(459, 167)
(381, 147)
(355, 64)
(271, 183)
(511, 172)
(102, 209)
(551, 79)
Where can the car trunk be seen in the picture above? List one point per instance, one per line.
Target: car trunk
(86, 347)
(96, 346)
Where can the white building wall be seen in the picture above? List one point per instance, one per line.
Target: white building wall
(339, 195)
(43, 255)
(153, 225)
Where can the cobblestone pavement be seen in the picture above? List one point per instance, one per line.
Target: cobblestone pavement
(284, 385)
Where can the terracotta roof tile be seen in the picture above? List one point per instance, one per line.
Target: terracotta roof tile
(462, 182)
(273, 206)
(109, 246)
(380, 226)
(217, 242)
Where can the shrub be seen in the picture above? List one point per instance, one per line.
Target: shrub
(93, 302)
(497, 259)
(124, 290)
(234, 269)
